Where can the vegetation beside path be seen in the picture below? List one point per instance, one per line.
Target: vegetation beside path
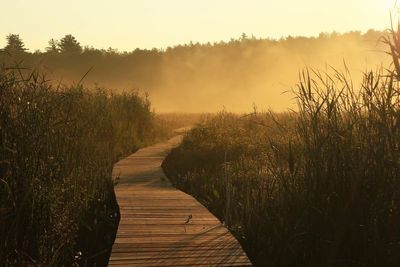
(57, 149)
(315, 187)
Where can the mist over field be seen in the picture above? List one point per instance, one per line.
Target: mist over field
(200, 133)
(209, 77)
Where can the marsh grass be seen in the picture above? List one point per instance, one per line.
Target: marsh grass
(315, 187)
(57, 149)
(173, 121)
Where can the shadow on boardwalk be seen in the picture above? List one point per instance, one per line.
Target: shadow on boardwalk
(162, 226)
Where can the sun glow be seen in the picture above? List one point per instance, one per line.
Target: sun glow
(392, 5)
(158, 23)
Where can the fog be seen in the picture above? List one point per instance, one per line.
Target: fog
(256, 72)
(231, 75)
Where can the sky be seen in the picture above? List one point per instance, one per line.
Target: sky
(130, 24)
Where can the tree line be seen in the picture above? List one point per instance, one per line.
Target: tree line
(232, 74)
(67, 44)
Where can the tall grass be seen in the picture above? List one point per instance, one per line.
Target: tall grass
(57, 149)
(316, 187)
(173, 121)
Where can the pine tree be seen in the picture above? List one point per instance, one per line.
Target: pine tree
(69, 44)
(14, 44)
(53, 46)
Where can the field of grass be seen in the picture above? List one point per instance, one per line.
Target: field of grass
(57, 149)
(318, 186)
(172, 121)
(315, 187)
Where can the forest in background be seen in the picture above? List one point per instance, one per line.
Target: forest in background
(313, 187)
(232, 75)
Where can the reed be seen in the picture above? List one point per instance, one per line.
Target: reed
(314, 187)
(57, 149)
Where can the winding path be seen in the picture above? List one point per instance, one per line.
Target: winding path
(162, 226)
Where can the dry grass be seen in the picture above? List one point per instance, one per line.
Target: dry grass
(57, 149)
(317, 187)
(174, 121)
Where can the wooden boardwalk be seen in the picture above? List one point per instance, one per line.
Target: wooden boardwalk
(162, 226)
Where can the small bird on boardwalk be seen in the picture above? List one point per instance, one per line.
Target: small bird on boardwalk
(189, 218)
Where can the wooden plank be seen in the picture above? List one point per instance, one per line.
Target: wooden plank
(162, 226)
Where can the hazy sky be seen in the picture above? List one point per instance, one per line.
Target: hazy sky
(128, 24)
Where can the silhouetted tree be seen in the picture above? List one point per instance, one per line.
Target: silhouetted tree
(14, 44)
(53, 46)
(219, 66)
(69, 44)
(112, 51)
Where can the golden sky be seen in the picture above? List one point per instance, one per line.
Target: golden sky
(128, 24)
